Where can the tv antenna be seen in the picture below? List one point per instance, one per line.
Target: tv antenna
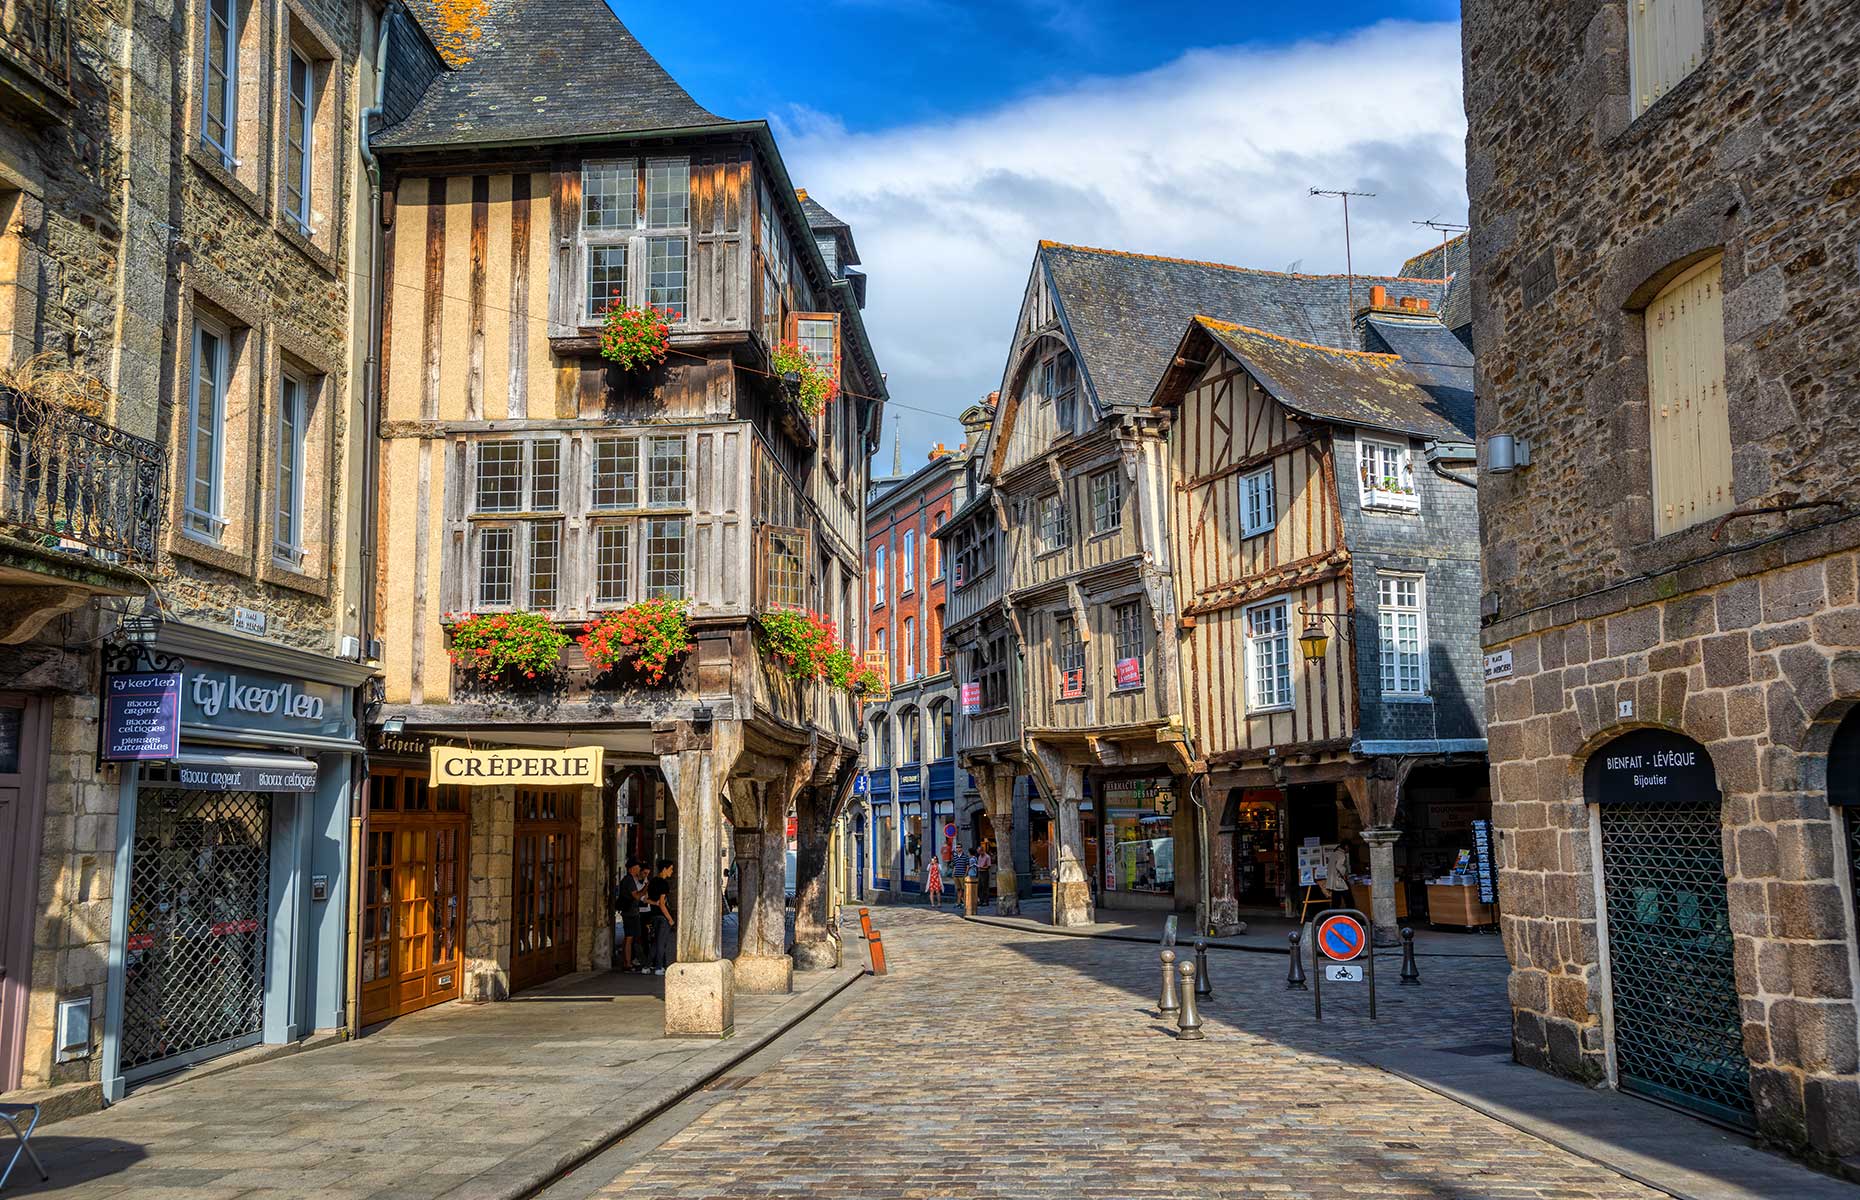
(1348, 266)
(1446, 228)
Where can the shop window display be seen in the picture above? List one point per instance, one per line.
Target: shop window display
(1140, 820)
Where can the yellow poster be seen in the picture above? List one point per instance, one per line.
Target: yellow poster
(521, 766)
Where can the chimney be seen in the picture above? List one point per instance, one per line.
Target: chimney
(1378, 297)
(1425, 304)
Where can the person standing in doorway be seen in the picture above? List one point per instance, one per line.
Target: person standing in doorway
(658, 910)
(984, 867)
(632, 915)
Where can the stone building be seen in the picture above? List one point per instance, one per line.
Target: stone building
(913, 783)
(544, 490)
(1664, 199)
(181, 390)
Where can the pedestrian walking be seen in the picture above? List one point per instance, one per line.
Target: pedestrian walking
(658, 908)
(933, 885)
(961, 866)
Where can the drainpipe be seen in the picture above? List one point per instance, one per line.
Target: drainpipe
(371, 403)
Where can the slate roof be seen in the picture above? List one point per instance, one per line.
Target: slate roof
(540, 70)
(1126, 312)
(1355, 387)
(821, 221)
(1456, 308)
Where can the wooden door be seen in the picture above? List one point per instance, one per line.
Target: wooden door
(22, 795)
(544, 882)
(413, 895)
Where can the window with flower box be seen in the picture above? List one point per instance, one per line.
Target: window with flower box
(635, 253)
(1386, 471)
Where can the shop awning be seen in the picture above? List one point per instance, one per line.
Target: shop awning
(244, 771)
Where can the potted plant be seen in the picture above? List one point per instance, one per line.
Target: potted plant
(814, 385)
(649, 636)
(634, 338)
(843, 668)
(498, 646)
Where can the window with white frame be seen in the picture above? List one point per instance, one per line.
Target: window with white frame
(818, 336)
(1259, 502)
(205, 506)
(934, 548)
(1107, 501)
(881, 648)
(1386, 471)
(1403, 626)
(666, 558)
(299, 137)
(878, 577)
(1268, 656)
(630, 257)
(907, 649)
(665, 472)
(1055, 524)
(287, 545)
(515, 538)
(907, 563)
(219, 109)
(1666, 39)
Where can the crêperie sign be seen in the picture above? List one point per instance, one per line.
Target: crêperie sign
(1650, 766)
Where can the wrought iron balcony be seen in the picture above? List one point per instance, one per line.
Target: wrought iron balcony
(74, 485)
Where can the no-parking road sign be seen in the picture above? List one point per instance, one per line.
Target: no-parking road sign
(1341, 937)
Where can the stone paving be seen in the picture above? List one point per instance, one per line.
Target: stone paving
(993, 1063)
(469, 1102)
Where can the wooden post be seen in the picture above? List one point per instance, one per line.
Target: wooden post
(815, 809)
(700, 993)
(762, 962)
(1001, 805)
(1071, 886)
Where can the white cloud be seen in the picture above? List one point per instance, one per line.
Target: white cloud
(1209, 157)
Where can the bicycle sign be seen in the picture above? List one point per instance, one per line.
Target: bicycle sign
(1342, 938)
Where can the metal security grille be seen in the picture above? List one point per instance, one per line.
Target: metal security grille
(199, 888)
(1678, 1032)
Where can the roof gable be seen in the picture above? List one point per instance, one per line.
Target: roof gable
(537, 70)
(1348, 387)
(1125, 312)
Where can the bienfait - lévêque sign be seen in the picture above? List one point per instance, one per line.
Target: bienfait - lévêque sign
(536, 766)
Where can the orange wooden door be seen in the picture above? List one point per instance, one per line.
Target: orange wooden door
(413, 915)
(544, 883)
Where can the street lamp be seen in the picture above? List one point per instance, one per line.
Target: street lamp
(140, 631)
(1314, 641)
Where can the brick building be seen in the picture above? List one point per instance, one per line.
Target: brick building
(186, 219)
(1664, 198)
(915, 786)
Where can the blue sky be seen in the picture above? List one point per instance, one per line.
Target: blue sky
(955, 135)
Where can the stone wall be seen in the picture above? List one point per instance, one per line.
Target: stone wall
(594, 924)
(489, 911)
(1758, 666)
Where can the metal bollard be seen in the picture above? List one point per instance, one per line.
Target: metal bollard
(1168, 1002)
(1410, 972)
(1204, 982)
(1188, 1021)
(1295, 972)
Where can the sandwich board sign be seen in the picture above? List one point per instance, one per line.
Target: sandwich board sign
(1343, 949)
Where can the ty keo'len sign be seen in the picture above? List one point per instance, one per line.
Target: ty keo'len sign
(142, 717)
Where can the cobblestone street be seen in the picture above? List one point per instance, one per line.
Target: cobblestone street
(994, 1063)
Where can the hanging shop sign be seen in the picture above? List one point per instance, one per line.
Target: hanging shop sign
(910, 776)
(579, 766)
(1650, 766)
(1129, 672)
(971, 699)
(225, 698)
(141, 716)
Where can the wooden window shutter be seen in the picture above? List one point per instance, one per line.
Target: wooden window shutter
(1665, 41)
(1686, 405)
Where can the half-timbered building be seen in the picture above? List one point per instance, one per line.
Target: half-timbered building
(1324, 552)
(550, 168)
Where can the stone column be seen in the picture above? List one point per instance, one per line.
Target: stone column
(1381, 842)
(1071, 886)
(700, 988)
(999, 790)
(762, 962)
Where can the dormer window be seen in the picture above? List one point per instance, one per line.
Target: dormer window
(1387, 470)
(630, 257)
